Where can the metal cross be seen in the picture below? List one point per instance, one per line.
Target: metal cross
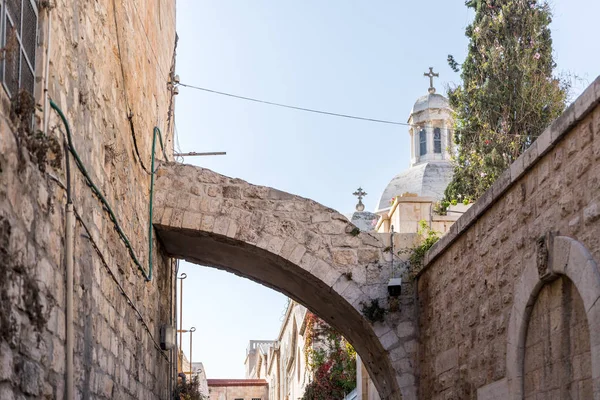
(431, 75)
(359, 193)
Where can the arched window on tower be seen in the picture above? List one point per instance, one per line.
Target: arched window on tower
(422, 142)
(437, 140)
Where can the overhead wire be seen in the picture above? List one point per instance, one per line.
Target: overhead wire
(137, 13)
(100, 195)
(129, 112)
(382, 121)
(110, 272)
(312, 110)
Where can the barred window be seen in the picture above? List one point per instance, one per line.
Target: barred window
(19, 19)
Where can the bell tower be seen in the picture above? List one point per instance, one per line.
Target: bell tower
(431, 136)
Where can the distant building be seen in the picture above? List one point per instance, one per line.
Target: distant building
(282, 362)
(238, 389)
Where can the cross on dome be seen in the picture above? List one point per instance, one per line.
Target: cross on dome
(431, 75)
(360, 193)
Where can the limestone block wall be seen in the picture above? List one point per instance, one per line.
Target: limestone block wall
(557, 348)
(481, 280)
(108, 71)
(305, 250)
(239, 392)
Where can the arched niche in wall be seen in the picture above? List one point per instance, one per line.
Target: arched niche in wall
(565, 268)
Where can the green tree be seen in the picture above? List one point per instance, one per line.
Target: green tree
(508, 95)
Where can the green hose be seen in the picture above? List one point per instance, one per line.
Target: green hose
(100, 196)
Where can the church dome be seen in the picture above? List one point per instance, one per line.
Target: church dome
(431, 100)
(425, 180)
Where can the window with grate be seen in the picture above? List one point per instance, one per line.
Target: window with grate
(422, 142)
(437, 140)
(19, 19)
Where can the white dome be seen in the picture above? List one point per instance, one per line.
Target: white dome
(428, 101)
(425, 180)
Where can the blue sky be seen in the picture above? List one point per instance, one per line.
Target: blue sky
(345, 56)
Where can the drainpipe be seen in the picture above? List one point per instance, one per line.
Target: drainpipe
(69, 303)
(47, 75)
(69, 242)
(174, 311)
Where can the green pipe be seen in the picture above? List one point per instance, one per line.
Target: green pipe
(100, 196)
(152, 172)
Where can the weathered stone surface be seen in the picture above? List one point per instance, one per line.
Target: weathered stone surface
(485, 274)
(314, 255)
(99, 72)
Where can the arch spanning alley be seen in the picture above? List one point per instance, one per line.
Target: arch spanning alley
(565, 257)
(294, 245)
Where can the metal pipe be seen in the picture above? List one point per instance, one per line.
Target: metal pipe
(156, 132)
(192, 330)
(47, 75)
(70, 227)
(181, 278)
(174, 310)
(194, 154)
(392, 249)
(69, 243)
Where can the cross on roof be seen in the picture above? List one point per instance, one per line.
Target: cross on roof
(360, 194)
(431, 75)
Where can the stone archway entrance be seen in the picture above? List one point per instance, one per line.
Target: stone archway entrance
(294, 245)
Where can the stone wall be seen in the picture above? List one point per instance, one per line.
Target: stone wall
(109, 66)
(237, 392)
(481, 280)
(307, 251)
(557, 349)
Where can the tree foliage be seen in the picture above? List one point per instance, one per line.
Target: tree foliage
(331, 360)
(189, 389)
(508, 95)
(416, 254)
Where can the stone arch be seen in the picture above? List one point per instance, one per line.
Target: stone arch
(564, 257)
(294, 245)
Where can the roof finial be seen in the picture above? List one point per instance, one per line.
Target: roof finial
(360, 194)
(431, 75)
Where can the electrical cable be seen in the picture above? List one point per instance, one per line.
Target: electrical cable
(97, 191)
(382, 121)
(119, 286)
(94, 245)
(127, 104)
(137, 13)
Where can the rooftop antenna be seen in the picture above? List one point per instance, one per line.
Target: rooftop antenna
(194, 154)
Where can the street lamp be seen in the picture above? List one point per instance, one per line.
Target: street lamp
(191, 331)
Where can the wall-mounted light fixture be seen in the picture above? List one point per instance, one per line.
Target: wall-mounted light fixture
(167, 337)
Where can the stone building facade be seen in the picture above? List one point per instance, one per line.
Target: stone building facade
(282, 362)
(112, 111)
(238, 389)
